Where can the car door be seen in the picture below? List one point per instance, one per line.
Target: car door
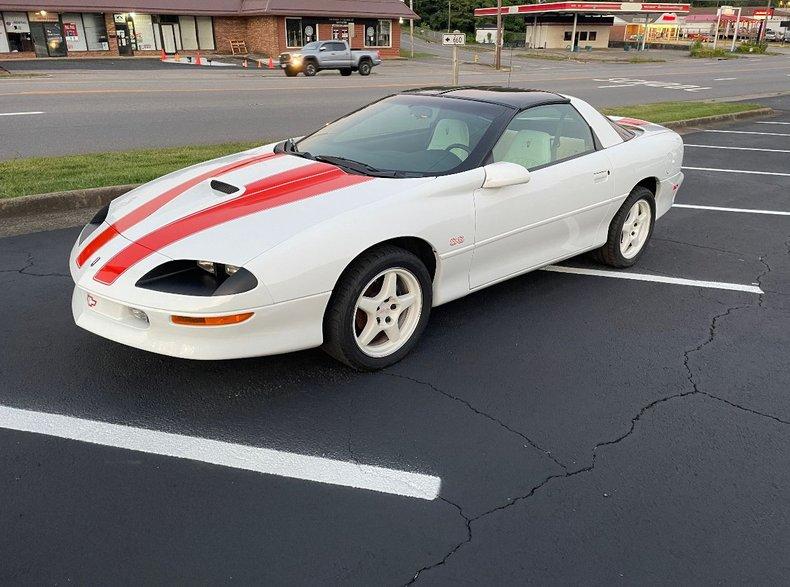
(334, 55)
(554, 215)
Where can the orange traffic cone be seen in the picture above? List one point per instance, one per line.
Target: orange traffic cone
(197, 59)
(163, 56)
(271, 63)
(244, 63)
(177, 57)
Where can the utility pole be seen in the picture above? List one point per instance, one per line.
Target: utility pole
(411, 27)
(448, 16)
(498, 53)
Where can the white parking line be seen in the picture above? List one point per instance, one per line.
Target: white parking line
(749, 132)
(654, 278)
(225, 454)
(724, 79)
(19, 113)
(720, 209)
(738, 171)
(738, 148)
(771, 122)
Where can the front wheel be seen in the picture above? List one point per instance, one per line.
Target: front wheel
(364, 68)
(310, 69)
(630, 230)
(378, 309)
(290, 72)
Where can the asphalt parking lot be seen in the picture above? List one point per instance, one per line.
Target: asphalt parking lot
(580, 428)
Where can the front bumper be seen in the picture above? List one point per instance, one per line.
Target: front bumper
(273, 329)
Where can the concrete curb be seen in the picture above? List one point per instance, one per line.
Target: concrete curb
(61, 201)
(704, 120)
(98, 197)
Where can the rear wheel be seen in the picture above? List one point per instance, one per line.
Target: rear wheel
(630, 230)
(310, 69)
(364, 68)
(345, 72)
(378, 309)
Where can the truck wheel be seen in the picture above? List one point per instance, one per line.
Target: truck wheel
(345, 72)
(364, 68)
(310, 69)
(290, 72)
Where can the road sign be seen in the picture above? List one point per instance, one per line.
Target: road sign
(454, 39)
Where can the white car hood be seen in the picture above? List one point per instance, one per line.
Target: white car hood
(181, 216)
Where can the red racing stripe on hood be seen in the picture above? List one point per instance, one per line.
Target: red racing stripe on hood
(280, 189)
(145, 210)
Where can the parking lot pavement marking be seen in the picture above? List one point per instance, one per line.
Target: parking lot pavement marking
(737, 171)
(226, 454)
(771, 122)
(748, 132)
(738, 148)
(721, 209)
(655, 278)
(19, 113)
(724, 79)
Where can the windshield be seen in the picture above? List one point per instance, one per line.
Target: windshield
(311, 46)
(408, 134)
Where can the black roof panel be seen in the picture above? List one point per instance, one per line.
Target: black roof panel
(513, 97)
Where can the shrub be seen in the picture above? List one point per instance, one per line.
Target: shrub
(697, 49)
(752, 47)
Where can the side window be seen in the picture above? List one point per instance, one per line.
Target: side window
(544, 135)
(335, 46)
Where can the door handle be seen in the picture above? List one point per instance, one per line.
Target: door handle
(602, 175)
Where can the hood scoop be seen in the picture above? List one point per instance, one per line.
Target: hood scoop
(224, 188)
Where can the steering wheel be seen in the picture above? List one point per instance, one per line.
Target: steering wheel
(461, 146)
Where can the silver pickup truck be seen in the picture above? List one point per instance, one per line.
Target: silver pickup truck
(319, 55)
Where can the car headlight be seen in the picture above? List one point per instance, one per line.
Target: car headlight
(97, 220)
(198, 278)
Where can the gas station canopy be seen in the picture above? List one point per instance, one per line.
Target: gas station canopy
(585, 8)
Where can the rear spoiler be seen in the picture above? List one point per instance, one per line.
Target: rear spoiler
(636, 123)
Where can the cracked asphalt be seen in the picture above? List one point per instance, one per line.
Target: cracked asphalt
(586, 430)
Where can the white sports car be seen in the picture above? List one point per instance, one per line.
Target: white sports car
(348, 237)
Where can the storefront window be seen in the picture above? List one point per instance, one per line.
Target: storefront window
(74, 32)
(189, 38)
(300, 31)
(95, 32)
(17, 32)
(378, 33)
(205, 32)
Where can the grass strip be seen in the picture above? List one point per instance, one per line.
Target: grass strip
(663, 112)
(39, 175)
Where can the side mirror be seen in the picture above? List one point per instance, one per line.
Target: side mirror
(502, 174)
(322, 48)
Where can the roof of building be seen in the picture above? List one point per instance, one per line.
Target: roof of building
(514, 97)
(325, 8)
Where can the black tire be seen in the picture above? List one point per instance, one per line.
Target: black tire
(290, 72)
(345, 72)
(339, 335)
(310, 69)
(610, 254)
(364, 67)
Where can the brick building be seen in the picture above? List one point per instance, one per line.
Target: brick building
(89, 28)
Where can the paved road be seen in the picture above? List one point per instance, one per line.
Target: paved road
(143, 103)
(585, 429)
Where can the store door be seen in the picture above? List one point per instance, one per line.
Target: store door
(340, 32)
(122, 34)
(48, 39)
(168, 38)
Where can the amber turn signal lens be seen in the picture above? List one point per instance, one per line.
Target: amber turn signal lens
(211, 320)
